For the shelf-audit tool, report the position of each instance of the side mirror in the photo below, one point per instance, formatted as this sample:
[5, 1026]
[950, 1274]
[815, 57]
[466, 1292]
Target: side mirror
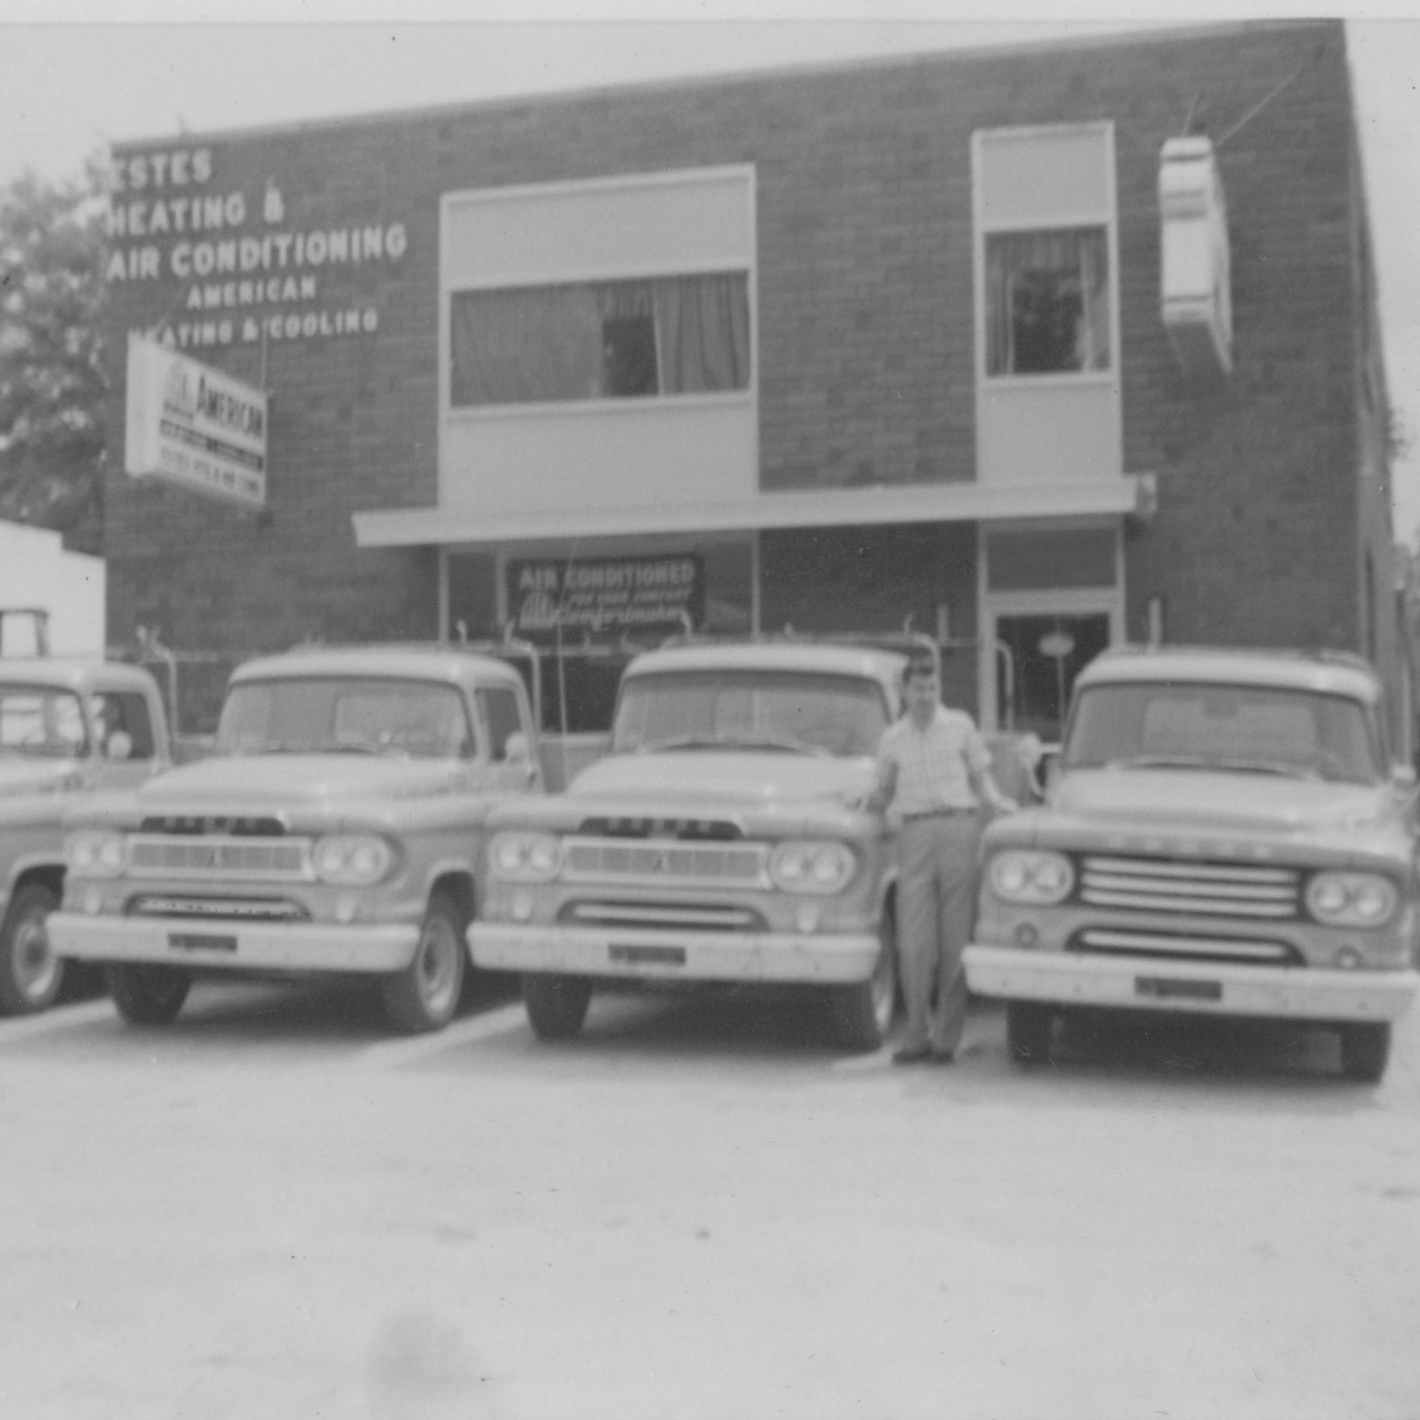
[516, 749]
[119, 745]
[1404, 777]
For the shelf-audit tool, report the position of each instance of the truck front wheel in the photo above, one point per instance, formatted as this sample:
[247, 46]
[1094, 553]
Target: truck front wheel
[425, 995]
[1365, 1049]
[30, 973]
[861, 1013]
[147, 994]
[557, 1004]
[1028, 1029]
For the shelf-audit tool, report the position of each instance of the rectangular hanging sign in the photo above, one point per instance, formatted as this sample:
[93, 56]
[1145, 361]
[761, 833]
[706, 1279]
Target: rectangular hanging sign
[192, 426]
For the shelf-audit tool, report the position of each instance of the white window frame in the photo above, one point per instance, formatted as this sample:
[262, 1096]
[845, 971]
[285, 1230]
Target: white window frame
[1046, 220]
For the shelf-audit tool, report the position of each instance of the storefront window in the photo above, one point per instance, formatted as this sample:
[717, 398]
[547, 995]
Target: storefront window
[1047, 302]
[600, 340]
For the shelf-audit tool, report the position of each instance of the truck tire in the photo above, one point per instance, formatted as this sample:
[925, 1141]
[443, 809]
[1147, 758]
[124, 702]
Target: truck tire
[860, 1014]
[1365, 1049]
[1029, 1025]
[147, 994]
[30, 973]
[556, 1003]
[425, 995]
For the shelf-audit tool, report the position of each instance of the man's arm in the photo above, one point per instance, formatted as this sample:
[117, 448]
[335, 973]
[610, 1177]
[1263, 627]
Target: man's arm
[978, 764]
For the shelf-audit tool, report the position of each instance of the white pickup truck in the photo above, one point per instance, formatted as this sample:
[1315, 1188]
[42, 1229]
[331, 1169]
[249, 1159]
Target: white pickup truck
[69, 727]
[721, 839]
[337, 827]
[1225, 833]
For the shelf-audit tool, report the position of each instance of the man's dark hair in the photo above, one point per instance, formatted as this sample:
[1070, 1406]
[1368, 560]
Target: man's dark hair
[919, 667]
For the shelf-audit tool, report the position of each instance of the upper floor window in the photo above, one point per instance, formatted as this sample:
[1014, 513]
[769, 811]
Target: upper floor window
[600, 340]
[1047, 301]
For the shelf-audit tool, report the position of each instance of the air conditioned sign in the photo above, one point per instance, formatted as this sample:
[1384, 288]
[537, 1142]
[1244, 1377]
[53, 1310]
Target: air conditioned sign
[194, 426]
[605, 598]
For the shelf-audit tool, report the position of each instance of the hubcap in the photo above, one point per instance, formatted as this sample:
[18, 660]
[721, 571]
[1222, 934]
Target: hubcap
[36, 966]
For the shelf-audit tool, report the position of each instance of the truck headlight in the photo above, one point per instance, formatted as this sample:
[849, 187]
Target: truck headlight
[520, 857]
[1031, 876]
[351, 859]
[811, 867]
[1352, 899]
[95, 853]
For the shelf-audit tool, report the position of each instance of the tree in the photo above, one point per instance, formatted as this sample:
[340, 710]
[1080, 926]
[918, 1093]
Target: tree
[53, 242]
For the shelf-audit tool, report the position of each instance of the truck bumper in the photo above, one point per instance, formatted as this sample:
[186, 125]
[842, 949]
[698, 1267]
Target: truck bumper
[233, 946]
[1299, 993]
[675, 955]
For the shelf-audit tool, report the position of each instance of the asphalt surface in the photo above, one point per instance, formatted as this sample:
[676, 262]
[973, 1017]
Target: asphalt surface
[272, 1209]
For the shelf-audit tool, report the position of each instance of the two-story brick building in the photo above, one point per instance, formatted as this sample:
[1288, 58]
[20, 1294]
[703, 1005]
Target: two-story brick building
[1035, 348]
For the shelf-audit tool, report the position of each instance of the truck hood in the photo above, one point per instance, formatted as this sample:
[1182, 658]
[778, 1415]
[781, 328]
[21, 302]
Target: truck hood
[775, 794]
[35, 776]
[1192, 800]
[272, 781]
[723, 779]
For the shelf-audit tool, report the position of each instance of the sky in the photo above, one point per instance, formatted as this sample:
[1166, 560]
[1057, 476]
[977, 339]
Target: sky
[154, 68]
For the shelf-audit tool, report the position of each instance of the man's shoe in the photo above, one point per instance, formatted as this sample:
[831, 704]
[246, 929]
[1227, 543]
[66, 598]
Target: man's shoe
[911, 1055]
[944, 1057]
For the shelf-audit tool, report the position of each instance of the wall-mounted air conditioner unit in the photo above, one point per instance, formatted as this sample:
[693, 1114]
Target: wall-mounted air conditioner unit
[1195, 291]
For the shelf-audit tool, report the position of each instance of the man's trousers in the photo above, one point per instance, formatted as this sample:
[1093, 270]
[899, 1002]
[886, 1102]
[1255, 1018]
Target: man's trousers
[936, 908]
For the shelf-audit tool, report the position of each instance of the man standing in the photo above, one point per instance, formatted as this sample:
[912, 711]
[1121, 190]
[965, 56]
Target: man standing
[933, 772]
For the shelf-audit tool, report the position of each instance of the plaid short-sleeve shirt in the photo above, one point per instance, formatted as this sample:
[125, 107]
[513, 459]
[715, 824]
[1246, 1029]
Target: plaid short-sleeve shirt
[937, 767]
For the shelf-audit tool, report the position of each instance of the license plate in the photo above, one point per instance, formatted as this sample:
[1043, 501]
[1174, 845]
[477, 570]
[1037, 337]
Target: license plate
[647, 956]
[1162, 987]
[201, 942]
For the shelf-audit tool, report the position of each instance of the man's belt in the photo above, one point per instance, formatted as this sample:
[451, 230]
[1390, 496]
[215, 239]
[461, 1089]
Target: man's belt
[937, 813]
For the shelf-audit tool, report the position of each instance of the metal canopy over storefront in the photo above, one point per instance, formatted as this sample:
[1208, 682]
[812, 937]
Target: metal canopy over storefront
[1133, 496]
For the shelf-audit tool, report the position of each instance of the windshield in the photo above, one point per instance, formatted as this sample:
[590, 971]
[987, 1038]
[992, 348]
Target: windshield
[792, 711]
[1299, 733]
[338, 715]
[40, 723]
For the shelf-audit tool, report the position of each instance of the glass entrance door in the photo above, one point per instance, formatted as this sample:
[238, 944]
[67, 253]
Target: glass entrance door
[1038, 656]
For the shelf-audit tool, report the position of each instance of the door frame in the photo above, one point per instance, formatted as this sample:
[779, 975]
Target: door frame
[1042, 601]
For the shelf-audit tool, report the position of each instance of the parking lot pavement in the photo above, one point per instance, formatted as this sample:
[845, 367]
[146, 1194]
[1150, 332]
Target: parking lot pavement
[274, 1208]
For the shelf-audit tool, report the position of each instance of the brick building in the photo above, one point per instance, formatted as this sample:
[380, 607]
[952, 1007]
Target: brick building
[1034, 349]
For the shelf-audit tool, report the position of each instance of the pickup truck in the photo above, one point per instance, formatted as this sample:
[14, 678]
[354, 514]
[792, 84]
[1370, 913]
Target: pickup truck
[68, 727]
[721, 839]
[337, 827]
[1224, 833]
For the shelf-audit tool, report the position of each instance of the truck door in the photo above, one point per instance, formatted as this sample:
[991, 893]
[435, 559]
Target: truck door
[123, 736]
[512, 747]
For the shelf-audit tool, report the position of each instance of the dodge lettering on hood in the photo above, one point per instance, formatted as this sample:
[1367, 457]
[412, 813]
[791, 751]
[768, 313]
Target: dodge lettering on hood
[1225, 833]
[722, 839]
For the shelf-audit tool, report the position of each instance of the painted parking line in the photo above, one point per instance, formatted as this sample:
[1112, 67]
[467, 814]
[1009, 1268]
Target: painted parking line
[17, 1028]
[391, 1054]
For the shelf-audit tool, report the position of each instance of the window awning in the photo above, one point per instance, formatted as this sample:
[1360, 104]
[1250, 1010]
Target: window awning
[1132, 496]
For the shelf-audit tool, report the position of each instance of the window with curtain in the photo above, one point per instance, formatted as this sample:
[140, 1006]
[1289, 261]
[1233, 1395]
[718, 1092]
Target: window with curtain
[600, 340]
[1047, 302]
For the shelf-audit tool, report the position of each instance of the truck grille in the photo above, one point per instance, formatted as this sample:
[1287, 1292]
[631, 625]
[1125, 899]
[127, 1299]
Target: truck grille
[1253, 951]
[213, 858]
[1191, 888]
[669, 916]
[662, 864]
